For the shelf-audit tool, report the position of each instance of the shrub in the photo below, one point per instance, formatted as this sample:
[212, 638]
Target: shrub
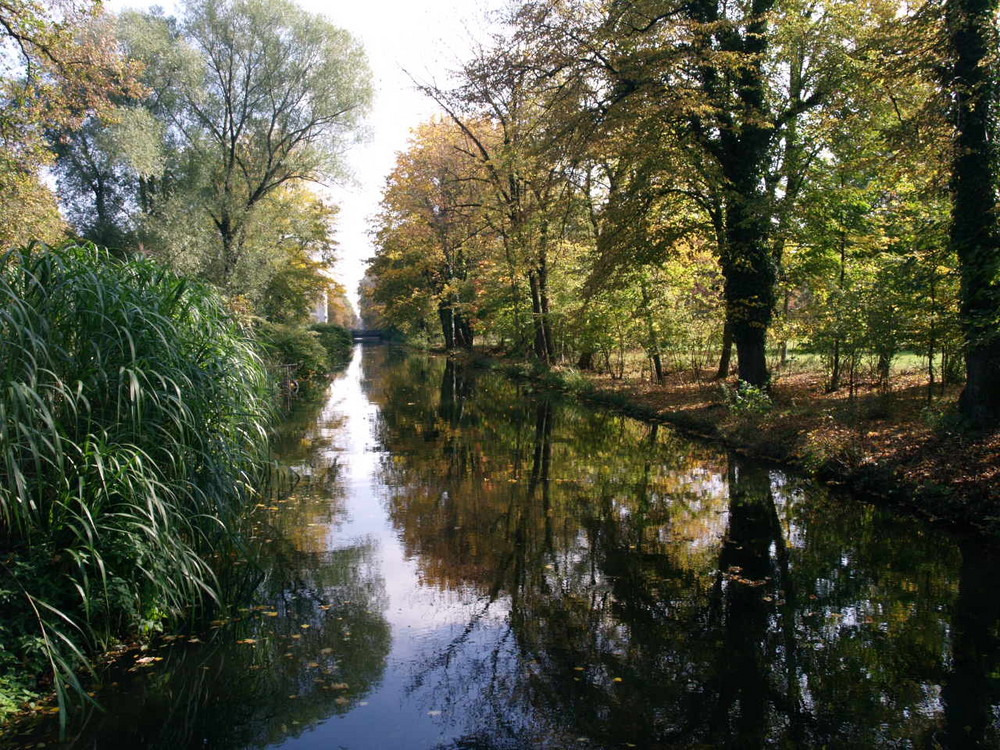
[337, 341]
[746, 399]
[134, 415]
[294, 352]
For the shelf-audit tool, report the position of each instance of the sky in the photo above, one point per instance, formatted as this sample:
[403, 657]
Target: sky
[427, 39]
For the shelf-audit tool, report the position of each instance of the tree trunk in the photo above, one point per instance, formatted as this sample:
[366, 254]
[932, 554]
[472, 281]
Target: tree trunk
[447, 315]
[726, 356]
[974, 233]
[747, 261]
[748, 267]
[229, 235]
[654, 339]
[543, 348]
[464, 333]
[835, 374]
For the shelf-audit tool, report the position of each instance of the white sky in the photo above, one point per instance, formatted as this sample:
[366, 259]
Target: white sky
[427, 38]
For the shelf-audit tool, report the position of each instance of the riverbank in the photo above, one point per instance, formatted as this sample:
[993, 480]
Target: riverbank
[897, 447]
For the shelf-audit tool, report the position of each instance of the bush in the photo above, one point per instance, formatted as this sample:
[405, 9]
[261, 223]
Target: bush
[294, 352]
[134, 416]
[338, 342]
[746, 399]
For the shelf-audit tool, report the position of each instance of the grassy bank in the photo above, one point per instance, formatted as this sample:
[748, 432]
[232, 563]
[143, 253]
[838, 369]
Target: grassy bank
[896, 446]
[134, 417]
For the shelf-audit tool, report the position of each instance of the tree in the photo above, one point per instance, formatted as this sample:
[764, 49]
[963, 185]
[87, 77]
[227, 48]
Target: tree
[975, 227]
[298, 248]
[282, 94]
[514, 103]
[58, 67]
[431, 215]
[719, 101]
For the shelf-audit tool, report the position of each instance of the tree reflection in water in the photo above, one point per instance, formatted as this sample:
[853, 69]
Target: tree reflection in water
[548, 575]
[639, 589]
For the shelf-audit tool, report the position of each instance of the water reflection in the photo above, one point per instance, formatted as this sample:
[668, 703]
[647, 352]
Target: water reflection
[310, 644]
[656, 594]
[464, 563]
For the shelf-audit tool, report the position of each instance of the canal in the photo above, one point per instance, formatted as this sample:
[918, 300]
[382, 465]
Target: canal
[464, 563]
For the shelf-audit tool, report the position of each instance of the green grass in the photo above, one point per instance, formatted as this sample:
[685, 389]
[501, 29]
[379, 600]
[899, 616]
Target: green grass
[132, 436]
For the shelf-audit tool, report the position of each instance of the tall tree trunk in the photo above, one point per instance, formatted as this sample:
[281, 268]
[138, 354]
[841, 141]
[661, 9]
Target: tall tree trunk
[726, 356]
[447, 315]
[539, 346]
[748, 263]
[842, 278]
[231, 242]
[835, 369]
[464, 333]
[653, 338]
[544, 347]
[750, 275]
[975, 237]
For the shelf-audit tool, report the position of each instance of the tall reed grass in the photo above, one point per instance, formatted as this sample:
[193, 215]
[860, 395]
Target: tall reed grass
[132, 436]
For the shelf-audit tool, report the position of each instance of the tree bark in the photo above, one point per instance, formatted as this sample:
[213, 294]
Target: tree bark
[654, 339]
[742, 150]
[447, 316]
[726, 356]
[544, 349]
[974, 233]
[748, 268]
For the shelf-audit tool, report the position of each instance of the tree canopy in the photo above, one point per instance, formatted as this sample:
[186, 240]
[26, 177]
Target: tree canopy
[681, 178]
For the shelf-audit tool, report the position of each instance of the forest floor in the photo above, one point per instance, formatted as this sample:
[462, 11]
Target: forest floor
[897, 446]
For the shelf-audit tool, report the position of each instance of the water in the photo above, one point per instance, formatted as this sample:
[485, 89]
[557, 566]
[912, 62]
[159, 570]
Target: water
[468, 564]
